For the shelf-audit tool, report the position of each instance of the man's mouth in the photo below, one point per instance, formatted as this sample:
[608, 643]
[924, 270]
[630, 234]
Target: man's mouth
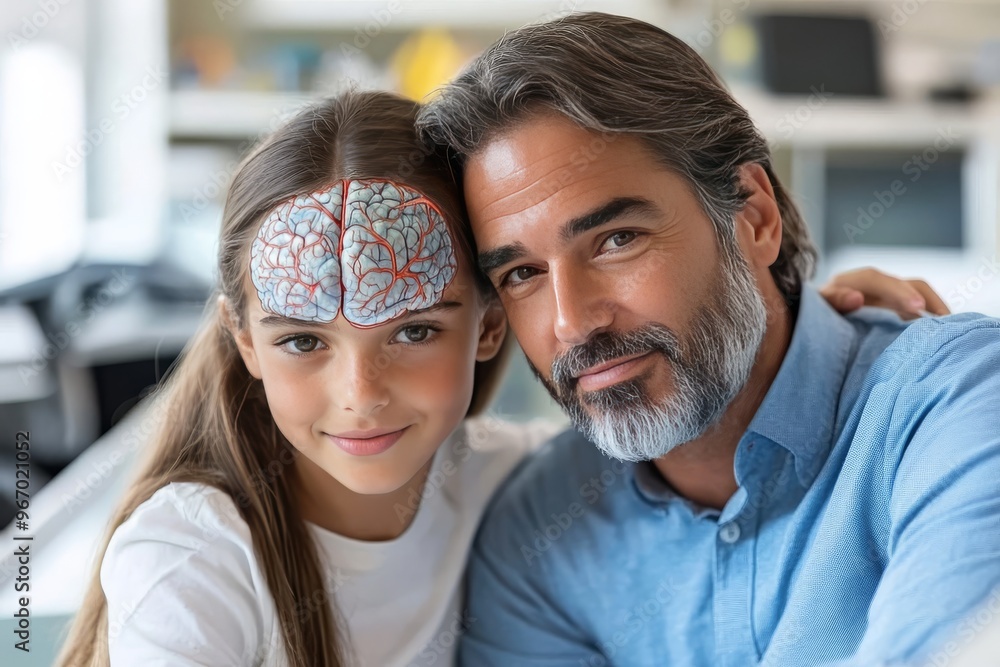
[611, 372]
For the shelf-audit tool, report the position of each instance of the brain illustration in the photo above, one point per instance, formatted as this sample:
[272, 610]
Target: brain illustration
[371, 249]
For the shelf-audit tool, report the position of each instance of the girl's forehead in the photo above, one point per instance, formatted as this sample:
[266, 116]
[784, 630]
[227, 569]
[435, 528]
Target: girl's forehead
[369, 250]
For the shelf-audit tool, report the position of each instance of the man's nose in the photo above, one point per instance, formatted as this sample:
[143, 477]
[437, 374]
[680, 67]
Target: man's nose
[582, 305]
[359, 384]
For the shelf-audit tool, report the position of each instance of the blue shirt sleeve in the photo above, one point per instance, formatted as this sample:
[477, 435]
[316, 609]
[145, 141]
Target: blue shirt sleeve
[516, 623]
[520, 618]
[944, 508]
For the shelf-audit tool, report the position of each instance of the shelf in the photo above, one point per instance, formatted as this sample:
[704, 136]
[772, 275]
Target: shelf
[812, 121]
[378, 15]
[230, 115]
[233, 115]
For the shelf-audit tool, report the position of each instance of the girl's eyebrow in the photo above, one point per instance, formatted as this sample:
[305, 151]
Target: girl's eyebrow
[444, 305]
[280, 321]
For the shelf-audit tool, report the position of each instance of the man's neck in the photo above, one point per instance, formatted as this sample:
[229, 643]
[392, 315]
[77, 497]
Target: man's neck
[702, 470]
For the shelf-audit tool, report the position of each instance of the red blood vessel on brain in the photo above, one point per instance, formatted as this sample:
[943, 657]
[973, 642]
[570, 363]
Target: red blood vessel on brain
[371, 249]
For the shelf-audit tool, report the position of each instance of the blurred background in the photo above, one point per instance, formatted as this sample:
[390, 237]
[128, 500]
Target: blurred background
[122, 121]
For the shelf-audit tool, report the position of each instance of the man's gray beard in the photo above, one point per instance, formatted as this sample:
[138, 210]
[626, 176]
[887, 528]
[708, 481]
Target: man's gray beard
[710, 367]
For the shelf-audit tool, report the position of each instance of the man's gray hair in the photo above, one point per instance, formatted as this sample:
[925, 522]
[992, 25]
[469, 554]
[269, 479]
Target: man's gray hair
[613, 75]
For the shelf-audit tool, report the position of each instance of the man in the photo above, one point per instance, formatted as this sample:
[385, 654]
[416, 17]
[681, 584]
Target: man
[773, 483]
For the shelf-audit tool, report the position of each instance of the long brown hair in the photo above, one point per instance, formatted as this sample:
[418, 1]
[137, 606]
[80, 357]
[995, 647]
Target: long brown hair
[217, 428]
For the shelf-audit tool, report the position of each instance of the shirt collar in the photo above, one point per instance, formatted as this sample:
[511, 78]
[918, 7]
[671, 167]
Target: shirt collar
[799, 412]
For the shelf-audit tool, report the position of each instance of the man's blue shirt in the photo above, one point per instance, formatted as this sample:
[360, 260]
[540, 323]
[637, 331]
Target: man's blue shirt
[865, 529]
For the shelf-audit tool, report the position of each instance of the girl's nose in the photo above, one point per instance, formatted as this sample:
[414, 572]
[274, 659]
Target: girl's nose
[360, 385]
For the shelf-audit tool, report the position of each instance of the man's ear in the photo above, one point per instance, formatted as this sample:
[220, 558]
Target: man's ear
[758, 224]
[492, 331]
[242, 337]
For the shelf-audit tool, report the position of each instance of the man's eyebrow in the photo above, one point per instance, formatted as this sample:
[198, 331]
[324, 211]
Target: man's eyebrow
[604, 214]
[491, 260]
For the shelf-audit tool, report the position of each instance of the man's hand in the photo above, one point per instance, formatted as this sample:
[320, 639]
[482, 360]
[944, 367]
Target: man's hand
[870, 287]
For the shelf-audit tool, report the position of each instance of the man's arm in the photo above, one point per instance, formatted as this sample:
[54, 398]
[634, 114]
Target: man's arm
[944, 510]
[516, 621]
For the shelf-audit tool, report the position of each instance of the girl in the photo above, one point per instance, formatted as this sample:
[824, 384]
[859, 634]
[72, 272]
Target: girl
[324, 459]
[299, 440]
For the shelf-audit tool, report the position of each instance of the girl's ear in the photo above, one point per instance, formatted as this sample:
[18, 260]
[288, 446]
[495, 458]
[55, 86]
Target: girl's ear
[492, 330]
[242, 337]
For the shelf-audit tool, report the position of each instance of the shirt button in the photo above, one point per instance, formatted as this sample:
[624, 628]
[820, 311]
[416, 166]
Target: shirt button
[730, 533]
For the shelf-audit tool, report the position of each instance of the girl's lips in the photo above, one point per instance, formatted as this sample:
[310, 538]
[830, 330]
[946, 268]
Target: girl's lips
[367, 446]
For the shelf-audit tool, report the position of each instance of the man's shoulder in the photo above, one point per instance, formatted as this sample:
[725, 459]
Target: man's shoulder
[927, 408]
[566, 472]
[942, 346]
[890, 350]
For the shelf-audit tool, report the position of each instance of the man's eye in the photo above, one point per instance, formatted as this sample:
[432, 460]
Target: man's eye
[520, 274]
[300, 344]
[619, 239]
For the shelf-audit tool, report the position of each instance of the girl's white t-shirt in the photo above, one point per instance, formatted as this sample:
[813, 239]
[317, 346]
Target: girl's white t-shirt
[184, 587]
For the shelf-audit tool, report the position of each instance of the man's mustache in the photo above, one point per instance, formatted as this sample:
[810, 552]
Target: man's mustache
[610, 345]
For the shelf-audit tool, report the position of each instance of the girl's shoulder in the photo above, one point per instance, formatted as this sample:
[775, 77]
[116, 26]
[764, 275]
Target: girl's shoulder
[483, 452]
[185, 558]
[190, 514]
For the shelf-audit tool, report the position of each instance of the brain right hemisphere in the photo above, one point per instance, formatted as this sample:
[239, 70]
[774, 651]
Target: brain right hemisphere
[372, 249]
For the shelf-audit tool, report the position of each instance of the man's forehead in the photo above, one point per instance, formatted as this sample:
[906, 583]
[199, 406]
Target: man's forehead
[544, 142]
[547, 167]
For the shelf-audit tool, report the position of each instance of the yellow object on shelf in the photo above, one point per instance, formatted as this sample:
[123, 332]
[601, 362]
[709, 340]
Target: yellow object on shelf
[425, 61]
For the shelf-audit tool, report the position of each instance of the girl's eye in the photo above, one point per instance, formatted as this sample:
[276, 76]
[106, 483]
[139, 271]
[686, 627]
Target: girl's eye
[415, 333]
[619, 240]
[300, 344]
